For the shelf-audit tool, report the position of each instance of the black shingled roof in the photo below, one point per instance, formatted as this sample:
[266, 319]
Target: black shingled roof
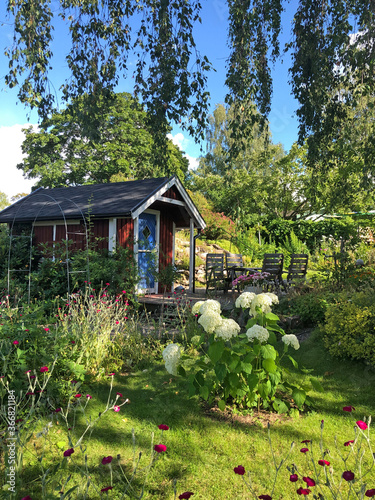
[100, 200]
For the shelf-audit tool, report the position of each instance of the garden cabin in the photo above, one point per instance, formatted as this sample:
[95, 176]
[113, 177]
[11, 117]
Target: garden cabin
[142, 215]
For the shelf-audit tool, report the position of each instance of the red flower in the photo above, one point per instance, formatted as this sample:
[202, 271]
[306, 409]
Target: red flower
[265, 497]
[44, 369]
[57, 410]
[309, 481]
[186, 494]
[323, 462]
[293, 478]
[348, 408]
[348, 443]
[46, 329]
[107, 460]
[67, 453]
[240, 469]
[362, 425]
[106, 488]
[303, 491]
[159, 448]
[370, 493]
[163, 427]
[73, 341]
[119, 394]
[77, 395]
[116, 408]
[304, 450]
[348, 475]
[27, 498]
[15, 342]
[306, 441]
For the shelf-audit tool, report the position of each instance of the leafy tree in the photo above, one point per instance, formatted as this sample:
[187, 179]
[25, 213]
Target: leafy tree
[4, 202]
[60, 154]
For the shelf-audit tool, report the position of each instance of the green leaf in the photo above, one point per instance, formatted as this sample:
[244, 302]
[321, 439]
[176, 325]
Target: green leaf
[216, 350]
[316, 385]
[299, 396]
[264, 389]
[221, 371]
[294, 362]
[233, 380]
[181, 371]
[61, 445]
[269, 365]
[204, 392]
[246, 367]
[252, 381]
[268, 351]
[221, 404]
[271, 317]
[280, 406]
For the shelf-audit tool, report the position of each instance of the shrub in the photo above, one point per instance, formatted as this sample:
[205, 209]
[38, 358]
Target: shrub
[350, 326]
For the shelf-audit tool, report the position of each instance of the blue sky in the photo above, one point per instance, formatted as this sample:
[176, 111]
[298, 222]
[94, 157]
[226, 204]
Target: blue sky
[210, 37]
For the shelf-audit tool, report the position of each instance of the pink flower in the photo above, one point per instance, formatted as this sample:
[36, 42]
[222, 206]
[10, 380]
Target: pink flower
[44, 369]
[348, 408]
[265, 497]
[28, 371]
[159, 448]
[110, 374]
[309, 481]
[348, 475]
[362, 425]
[240, 469]
[163, 427]
[106, 488]
[348, 443]
[27, 498]
[15, 342]
[57, 410]
[116, 408]
[370, 493]
[32, 376]
[107, 460]
[303, 491]
[67, 453]
[88, 396]
[117, 322]
[306, 441]
[304, 450]
[323, 462]
[73, 341]
[119, 394]
[293, 478]
[46, 329]
[77, 395]
[186, 494]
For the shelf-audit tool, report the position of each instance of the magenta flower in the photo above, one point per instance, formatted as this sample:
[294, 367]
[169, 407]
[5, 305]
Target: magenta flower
[44, 369]
[348, 443]
[309, 481]
[88, 396]
[46, 329]
[370, 493]
[159, 448]
[186, 494]
[348, 408]
[348, 475]
[306, 441]
[304, 450]
[15, 342]
[240, 469]
[116, 408]
[77, 395]
[119, 394]
[27, 498]
[293, 478]
[107, 460]
[67, 453]
[362, 425]
[73, 341]
[323, 462]
[106, 489]
[163, 427]
[265, 497]
[57, 410]
[303, 491]
[110, 374]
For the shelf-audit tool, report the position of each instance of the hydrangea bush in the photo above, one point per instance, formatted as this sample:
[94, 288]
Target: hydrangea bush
[240, 367]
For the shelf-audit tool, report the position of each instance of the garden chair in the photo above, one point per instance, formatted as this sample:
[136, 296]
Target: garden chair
[215, 274]
[297, 269]
[233, 266]
[273, 264]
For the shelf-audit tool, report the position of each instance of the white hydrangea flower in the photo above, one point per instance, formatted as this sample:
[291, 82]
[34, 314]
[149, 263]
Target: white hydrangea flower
[210, 305]
[210, 320]
[244, 300]
[274, 297]
[171, 356]
[263, 301]
[228, 329]
[291, 340]
[196, 307]
[257, 332]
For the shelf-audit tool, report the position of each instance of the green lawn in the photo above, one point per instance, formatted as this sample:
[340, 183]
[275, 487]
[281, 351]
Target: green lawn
[203, 447]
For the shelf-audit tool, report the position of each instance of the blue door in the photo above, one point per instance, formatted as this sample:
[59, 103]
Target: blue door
[147, 251]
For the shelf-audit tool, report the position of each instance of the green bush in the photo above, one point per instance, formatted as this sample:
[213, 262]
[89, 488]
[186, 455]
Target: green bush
[349, 329]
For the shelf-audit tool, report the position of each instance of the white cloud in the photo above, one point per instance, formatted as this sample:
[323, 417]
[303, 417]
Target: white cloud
[182, 143]
[12, 180]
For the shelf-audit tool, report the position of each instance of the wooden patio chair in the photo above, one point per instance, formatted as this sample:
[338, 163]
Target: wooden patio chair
[215, 274]
[297, 269]
[232, 261]
[273, 264]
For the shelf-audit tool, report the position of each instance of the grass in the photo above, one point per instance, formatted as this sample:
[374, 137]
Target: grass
[203, 447]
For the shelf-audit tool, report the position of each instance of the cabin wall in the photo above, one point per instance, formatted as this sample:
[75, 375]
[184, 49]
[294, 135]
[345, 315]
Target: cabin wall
[166, 243]
[125, 233]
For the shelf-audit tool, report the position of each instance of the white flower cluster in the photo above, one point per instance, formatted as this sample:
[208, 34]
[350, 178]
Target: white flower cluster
[171, 356]
[262, 300]
[291, 340]
[228, 329]
[244, 300]
[210, 306]
[273, 297]
[196, 307]
[210, 320]
[257, 332]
